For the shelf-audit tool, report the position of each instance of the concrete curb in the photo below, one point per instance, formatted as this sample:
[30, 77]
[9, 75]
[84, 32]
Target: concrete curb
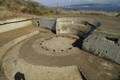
[4, 23]
[10, 44]
[7, 25]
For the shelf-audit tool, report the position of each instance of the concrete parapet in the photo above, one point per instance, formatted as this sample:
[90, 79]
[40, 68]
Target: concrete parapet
[77, 26]
[103, 45]
[66, 24]
[14, 24]
[70, 25]
[45, 22]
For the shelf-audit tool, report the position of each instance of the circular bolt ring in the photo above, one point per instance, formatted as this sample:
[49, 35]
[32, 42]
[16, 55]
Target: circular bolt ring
[47, 49]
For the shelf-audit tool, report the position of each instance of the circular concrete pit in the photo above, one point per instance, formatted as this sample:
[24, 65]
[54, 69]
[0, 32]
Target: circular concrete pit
[48, 56]
[56, 45]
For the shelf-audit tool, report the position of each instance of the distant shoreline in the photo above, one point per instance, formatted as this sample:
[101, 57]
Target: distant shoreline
[85, 12]
[95, 7]
[108, 11]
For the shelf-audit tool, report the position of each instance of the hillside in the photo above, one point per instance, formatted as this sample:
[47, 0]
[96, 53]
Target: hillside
[16, 7]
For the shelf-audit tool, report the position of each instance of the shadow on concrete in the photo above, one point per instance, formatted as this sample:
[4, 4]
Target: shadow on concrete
[15, 21]
[78, 43]
[83, 77]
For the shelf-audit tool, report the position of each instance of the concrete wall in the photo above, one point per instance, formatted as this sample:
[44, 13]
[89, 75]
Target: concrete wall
[45, 22]
[103, 45]
[78, 26]
[12, 24]
[69, 25]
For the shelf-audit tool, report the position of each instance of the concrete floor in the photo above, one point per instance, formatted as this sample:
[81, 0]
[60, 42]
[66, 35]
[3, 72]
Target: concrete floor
[36, 60]
[10, 35]
[24, 58]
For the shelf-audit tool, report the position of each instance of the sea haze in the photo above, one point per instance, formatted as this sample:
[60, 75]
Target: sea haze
[95, 7]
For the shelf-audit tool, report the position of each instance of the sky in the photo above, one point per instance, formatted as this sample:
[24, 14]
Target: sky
[68, 2]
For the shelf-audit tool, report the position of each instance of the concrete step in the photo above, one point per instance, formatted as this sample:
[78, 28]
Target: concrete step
[2, 76]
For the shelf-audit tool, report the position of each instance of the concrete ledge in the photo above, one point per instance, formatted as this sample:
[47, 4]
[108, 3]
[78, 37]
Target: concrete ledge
[10, 44]
[103, 45]
[14, 24]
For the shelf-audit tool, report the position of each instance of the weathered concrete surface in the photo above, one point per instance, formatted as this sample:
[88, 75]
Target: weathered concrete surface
[76, 26]
[12, 26]
[11, 35]
[24, 57]
[103, 45]
[37, 72]
[7, 46]
[2, 75]
[10, 44]
[109, 25]
[91, 66]
[45, 22]
[104, 23]
[69, 25]
[12, 63]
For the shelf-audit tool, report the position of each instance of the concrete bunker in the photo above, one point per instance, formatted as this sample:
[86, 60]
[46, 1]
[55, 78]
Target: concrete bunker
[70, 33]
[85, 30]
[67, 25]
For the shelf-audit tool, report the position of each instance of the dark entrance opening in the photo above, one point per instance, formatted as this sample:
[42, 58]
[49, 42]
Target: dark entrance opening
[19, 76]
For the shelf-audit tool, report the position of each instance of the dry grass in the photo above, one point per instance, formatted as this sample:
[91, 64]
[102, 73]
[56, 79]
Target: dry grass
[96, 13]
[5, 13]
[13, 8]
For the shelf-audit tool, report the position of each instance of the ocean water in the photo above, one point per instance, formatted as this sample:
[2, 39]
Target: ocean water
[95, 8]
